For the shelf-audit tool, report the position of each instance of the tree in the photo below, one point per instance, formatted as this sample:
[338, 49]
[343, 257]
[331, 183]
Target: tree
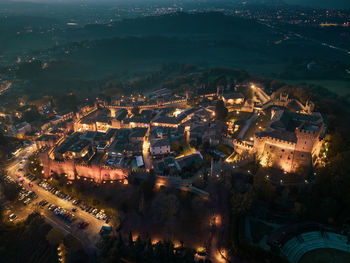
[31, 115]
[220, 110]
[10, 191]
[241, 202]
[142, 203]
[135, 110]
[147, 186]
[75, 250]
[54, 237]
[165, 206]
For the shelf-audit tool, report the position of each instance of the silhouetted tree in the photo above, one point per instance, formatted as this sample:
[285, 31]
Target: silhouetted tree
[220, 110]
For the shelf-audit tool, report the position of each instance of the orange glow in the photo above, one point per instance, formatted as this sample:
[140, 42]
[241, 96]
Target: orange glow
[218, 220]
[220, 256]
[177, 244]
[201, 249]
[125, 181]
[160, 183]
[155, 241]
[135, 236]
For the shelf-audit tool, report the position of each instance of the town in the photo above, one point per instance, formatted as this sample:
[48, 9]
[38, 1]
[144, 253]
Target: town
[174, 131]
[107, 142]
[177, 138]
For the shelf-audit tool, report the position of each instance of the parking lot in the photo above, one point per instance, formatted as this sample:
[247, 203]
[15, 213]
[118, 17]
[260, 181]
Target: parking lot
[59, 209]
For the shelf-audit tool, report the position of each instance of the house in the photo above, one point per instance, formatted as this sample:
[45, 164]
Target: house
[233, 98]
[98, 120]
[166, 121]
[162, 132]
[166, 166]
[189, 160]
[138, 134]
[160, 146]
[137, 163]
[118, 117]
[127, 150]
[143, 120]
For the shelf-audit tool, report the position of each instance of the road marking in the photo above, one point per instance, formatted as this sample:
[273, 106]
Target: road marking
[54, 222]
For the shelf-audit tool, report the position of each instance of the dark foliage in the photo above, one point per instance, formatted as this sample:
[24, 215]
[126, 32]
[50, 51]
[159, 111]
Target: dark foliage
[116, 249]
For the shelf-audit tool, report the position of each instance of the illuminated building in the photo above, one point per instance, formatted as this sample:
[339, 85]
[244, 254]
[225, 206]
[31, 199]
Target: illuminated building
[291, 140]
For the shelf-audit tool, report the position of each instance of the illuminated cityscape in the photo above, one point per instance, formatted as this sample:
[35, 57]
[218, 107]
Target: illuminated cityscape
[174, 131]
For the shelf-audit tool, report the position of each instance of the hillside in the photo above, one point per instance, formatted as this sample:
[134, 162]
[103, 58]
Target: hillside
[140, 46]
[208, 39]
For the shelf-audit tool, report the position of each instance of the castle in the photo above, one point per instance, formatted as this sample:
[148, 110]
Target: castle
[291, 140]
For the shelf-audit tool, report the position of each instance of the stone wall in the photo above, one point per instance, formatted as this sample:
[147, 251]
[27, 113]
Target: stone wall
[97, 173]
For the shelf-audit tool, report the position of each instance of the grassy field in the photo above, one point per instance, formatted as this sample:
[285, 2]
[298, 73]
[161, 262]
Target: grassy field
[340, 87]
[238, 116]
[259, 124]
[325, 256]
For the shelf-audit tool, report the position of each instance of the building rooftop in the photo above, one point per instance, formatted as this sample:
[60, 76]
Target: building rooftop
[166, 120]
[138, 132]
[189, 160]
[79, 145]
[160, 142]
[121, 114]
[100, 115]
[233, 95]
[144, 117]
[281, 135]
[67, 143]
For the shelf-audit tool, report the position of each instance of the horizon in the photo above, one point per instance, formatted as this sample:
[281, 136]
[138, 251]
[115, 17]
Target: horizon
[333, 4]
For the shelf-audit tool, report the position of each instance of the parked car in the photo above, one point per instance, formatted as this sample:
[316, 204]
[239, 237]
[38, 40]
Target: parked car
[52, 207]
[83, 225]
[12, 217]
[105, 230]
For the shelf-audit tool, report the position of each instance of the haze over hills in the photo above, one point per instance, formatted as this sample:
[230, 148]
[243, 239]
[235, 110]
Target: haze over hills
[210, 38]
[84, 52]
[146, 42]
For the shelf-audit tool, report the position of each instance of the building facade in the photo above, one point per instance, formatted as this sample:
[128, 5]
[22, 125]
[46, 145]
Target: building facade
[291, 141]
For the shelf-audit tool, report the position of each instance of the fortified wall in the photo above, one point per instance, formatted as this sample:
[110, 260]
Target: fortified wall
[275, 152]
[283, 101]
[288, 155]
[242, 147]
[73, 170]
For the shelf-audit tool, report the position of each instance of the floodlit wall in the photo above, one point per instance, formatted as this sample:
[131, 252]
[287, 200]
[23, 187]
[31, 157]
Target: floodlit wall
[96, 173]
